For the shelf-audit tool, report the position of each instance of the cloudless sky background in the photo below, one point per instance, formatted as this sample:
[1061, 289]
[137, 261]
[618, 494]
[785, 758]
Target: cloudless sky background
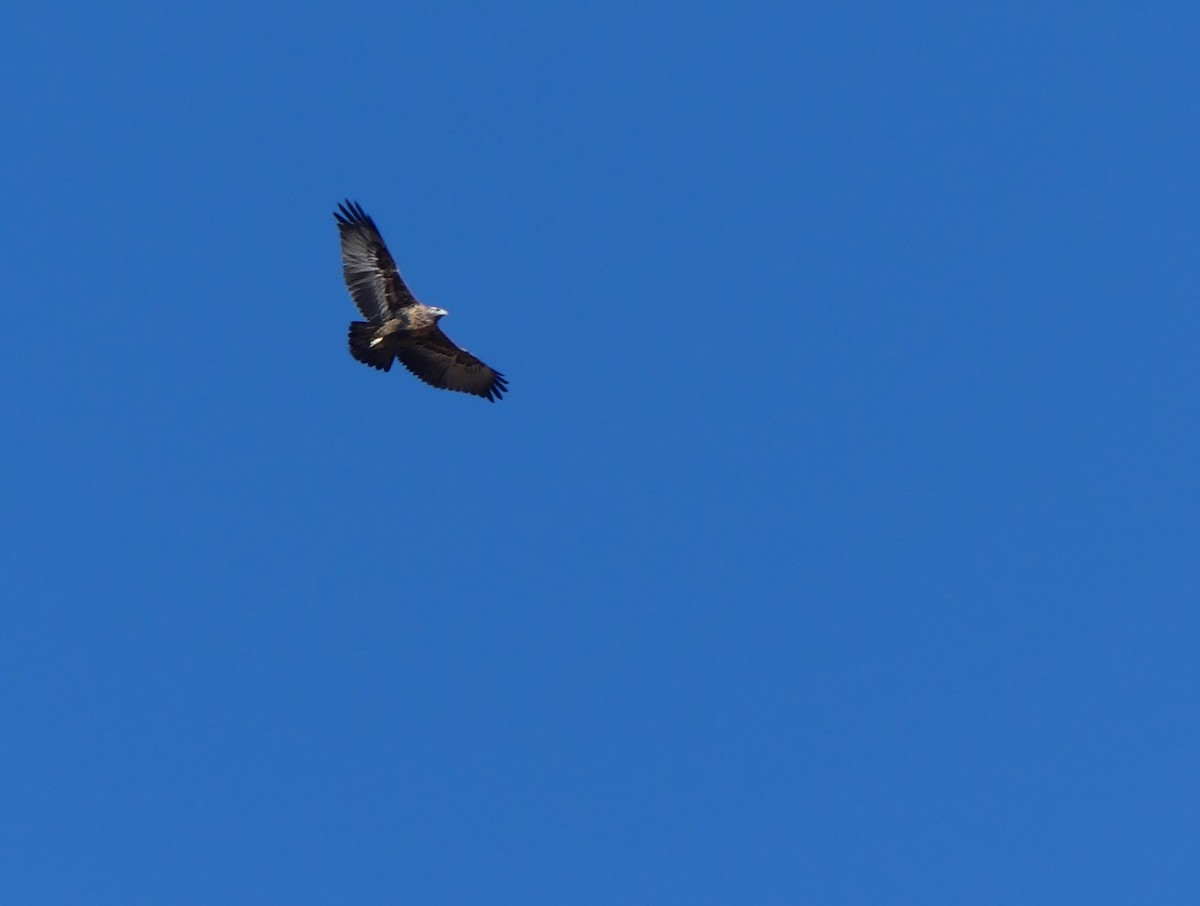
[836, 543]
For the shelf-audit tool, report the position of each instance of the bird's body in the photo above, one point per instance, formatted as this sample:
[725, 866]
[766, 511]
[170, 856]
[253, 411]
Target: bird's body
[397, 325]
[417, 320]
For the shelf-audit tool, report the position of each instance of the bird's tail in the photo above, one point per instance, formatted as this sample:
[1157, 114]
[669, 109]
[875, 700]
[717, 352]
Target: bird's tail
[380, 356]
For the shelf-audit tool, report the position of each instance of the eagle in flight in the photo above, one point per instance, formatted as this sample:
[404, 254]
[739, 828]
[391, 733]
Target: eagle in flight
[397, 325]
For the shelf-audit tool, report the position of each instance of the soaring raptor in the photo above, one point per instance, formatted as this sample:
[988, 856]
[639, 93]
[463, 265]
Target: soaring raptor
[397, 325]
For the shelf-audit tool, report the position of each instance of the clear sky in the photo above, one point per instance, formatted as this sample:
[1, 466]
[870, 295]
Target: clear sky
[837, 540]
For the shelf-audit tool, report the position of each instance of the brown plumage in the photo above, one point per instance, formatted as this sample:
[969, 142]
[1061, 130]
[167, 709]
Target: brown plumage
[397, 325]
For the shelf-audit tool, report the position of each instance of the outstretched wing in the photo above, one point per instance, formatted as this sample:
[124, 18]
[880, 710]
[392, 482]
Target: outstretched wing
[367, 265]
[436, 360]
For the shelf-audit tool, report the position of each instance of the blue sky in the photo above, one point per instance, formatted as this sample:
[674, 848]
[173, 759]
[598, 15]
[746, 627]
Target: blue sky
[836, 542]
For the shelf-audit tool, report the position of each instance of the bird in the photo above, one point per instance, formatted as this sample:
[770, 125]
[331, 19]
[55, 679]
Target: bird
[397, 325]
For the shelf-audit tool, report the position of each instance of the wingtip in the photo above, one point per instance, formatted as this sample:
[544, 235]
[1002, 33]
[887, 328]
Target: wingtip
[498, 388]
[350, 213]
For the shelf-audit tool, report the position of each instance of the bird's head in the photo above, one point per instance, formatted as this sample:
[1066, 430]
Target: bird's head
[438, 312]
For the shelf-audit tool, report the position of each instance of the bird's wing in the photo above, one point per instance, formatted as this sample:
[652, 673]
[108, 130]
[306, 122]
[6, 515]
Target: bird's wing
[367, 265]
[436, 360]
